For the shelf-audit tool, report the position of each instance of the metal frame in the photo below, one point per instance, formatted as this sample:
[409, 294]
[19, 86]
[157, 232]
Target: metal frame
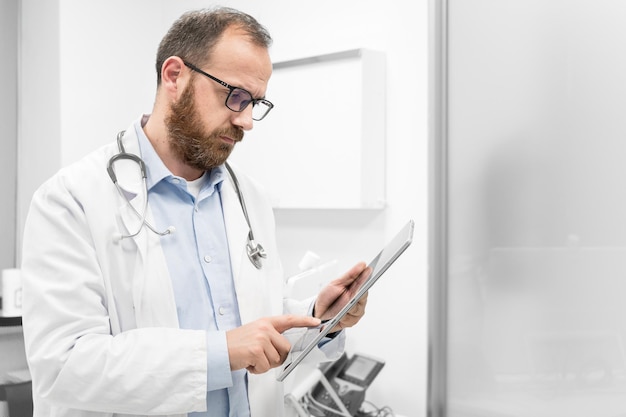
[438, 209]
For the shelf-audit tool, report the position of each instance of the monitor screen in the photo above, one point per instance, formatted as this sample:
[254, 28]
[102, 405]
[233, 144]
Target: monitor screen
[359, 368]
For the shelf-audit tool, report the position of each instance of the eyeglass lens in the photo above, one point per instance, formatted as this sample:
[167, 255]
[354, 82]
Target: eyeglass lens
[239, 99]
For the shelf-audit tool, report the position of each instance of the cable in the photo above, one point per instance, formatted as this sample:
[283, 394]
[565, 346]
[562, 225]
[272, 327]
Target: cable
[385, 411]
[321, 406]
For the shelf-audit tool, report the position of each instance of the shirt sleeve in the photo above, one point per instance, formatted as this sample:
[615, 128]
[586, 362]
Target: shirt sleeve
[329, 336]
[218, 364]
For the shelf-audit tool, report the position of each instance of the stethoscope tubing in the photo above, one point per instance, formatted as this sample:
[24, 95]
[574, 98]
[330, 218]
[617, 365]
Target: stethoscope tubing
[254, 250]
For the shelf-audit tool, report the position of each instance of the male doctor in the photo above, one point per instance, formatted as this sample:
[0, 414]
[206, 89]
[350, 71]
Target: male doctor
[139, 294]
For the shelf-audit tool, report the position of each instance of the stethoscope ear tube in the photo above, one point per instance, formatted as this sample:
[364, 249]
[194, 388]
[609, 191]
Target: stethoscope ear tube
[128, 156]
[122, 154]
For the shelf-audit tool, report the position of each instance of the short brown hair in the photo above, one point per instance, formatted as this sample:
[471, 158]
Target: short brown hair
[193, 35]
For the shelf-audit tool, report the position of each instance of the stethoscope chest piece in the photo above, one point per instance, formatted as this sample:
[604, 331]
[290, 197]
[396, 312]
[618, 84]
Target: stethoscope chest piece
[255, 253]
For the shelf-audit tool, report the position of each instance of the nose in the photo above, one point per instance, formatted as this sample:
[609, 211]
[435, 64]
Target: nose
[243, 119]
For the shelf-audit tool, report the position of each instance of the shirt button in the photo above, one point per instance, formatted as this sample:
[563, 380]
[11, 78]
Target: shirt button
[221, 310]
[207, 259]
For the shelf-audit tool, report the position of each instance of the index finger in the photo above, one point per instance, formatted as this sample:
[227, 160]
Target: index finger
[289, 321]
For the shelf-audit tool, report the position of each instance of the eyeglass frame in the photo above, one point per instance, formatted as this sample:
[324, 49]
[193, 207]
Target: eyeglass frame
[232, 88]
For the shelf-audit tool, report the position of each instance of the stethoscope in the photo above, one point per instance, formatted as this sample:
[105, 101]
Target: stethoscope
[254, 249]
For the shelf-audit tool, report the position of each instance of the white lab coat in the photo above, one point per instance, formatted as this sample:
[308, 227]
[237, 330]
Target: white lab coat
[99, 315]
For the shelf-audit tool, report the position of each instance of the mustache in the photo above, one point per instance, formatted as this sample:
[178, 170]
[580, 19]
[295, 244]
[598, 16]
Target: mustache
[234, 133]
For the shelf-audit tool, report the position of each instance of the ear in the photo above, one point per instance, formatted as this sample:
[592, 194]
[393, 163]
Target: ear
[173, 76]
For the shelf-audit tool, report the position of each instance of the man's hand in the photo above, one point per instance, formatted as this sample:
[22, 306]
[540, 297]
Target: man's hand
[259, 346]
[334, 296]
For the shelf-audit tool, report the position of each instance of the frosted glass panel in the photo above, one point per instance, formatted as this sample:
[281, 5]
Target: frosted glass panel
[537, 208]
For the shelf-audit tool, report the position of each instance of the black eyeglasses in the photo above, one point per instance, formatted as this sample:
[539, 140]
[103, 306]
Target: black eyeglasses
[238, 98]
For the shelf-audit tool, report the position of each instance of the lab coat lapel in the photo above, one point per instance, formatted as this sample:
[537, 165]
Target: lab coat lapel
[237, 232]
[236, 226]
[131, 221]
[153, 296]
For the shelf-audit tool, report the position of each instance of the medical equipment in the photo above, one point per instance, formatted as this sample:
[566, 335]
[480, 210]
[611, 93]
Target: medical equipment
[349, 378]
[335, 389]
[255, 250]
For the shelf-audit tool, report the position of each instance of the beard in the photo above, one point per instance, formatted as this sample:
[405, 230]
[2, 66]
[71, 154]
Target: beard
[190, 142]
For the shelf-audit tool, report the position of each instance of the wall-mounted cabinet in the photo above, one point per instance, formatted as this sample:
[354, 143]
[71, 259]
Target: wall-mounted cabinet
[10, 321]
[325, 135]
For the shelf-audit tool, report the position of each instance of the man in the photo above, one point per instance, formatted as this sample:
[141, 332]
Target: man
[139, 294]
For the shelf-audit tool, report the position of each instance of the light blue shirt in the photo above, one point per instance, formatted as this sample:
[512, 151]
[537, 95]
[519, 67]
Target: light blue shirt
[199, 264]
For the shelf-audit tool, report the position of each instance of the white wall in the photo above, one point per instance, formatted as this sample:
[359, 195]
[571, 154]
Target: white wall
[8, 138]
[104, 57]
[12, 355]
[39, 133]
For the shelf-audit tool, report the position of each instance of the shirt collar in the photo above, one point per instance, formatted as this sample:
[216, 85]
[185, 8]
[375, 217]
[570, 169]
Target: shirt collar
[156, 171]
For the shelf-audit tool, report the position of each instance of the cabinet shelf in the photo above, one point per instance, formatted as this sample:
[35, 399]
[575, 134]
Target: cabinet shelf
[10, 321]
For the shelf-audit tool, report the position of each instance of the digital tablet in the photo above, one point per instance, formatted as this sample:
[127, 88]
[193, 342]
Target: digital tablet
[311, 338]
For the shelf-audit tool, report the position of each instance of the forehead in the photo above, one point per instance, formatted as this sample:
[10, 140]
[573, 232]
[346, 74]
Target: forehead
[241, 62]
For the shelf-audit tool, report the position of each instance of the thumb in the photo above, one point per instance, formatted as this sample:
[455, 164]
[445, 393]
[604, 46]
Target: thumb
[357, 271]
[289, 321]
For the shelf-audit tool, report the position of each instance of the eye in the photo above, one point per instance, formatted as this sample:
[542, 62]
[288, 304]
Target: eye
[239, 99]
